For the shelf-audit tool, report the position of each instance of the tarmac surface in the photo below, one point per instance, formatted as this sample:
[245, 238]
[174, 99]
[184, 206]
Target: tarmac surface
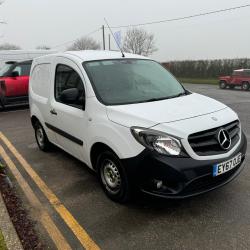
[216, 220]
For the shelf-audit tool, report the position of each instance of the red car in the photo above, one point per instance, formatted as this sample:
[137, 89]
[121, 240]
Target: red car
[240, 77]
[14, 81]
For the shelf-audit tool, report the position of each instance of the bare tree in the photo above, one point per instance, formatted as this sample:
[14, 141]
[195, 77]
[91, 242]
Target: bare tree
[138, 41]
[84, 44]
[43, 47]
[9, 46]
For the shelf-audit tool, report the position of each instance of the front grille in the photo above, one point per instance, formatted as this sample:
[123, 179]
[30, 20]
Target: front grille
[205, 143]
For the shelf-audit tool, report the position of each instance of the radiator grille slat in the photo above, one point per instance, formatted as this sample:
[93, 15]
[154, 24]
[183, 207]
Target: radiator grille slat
[205, 143]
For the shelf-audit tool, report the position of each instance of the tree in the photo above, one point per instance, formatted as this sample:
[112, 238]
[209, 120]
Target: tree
[43, 47]
[206, 68]
[84, 44]
[138, 41]
[9, 46]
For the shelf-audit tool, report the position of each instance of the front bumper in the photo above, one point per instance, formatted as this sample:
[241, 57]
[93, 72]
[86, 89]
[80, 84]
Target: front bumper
[179, 177]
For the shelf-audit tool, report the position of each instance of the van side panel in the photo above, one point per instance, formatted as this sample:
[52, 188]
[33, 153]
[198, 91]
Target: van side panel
[101, 130]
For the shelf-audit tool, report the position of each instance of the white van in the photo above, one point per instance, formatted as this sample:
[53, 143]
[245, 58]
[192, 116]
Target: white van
[133, 123]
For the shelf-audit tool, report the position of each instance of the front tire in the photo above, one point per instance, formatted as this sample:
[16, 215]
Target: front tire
[245, 86]
[113, 177]
[41, 137]
[223, 84]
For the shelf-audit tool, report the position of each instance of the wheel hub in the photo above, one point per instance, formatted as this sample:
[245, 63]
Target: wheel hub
[40, 136]
[111, 176]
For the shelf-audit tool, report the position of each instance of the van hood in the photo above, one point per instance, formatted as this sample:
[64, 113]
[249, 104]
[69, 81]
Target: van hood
[170, 110]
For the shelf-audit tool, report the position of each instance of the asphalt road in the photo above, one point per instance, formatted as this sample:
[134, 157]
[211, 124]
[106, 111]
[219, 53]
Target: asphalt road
[216, 220]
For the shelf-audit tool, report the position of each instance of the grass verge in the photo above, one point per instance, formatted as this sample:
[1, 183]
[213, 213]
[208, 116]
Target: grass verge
[24, 225]
[2, 243]
[199, 80]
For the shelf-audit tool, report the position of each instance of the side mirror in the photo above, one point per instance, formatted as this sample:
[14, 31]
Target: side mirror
[70, 96]
[14, 74]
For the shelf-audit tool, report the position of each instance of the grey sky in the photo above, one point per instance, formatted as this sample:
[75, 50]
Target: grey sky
[53, 22]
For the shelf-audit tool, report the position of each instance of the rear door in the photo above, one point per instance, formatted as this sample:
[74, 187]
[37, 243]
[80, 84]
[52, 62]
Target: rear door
[22, 81]
[17, 86]
[237, 78]
[69, 122]
[246, 75]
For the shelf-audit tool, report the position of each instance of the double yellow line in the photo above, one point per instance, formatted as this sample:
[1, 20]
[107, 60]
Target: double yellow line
[44, 216]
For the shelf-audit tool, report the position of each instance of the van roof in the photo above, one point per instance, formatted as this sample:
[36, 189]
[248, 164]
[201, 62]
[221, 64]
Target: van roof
[92, 55]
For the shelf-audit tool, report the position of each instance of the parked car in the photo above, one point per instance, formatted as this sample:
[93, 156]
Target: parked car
[240, 77]
[132, 122]
[14, 81]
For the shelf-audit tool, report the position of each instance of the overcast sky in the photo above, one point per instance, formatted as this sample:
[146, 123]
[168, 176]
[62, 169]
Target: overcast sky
[52, 22]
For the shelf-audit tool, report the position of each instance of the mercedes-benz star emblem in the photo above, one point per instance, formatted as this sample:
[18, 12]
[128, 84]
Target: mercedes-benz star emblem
[224, 139]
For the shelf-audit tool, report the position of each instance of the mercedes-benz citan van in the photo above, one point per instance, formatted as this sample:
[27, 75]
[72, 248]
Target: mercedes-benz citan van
[133, 123]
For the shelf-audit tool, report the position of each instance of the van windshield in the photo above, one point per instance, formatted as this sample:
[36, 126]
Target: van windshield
[127, 81]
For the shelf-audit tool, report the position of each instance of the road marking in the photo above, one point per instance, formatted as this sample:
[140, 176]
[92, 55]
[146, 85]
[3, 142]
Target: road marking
[76, 228]
[44, 217]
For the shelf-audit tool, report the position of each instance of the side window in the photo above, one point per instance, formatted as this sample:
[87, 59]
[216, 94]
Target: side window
[237, 73]
[18, 69]
[67, 78]
[247, 73]
[26, 69]
[23, 69]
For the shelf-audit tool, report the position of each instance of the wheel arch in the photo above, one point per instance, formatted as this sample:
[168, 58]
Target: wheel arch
[34, 119]
[36, 115]
[223, 80]
[96, 149]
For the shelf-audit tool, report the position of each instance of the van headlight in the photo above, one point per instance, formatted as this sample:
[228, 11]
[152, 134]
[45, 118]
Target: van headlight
[158, 141]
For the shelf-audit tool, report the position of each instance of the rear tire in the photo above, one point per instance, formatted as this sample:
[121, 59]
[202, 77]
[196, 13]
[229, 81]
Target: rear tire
[41, 137]
[223, 84]
[113, 177]
[245, 86]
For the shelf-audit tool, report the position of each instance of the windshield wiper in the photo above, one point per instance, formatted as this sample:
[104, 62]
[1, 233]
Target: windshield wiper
[178, 95]
[167, 97]
[155, 99]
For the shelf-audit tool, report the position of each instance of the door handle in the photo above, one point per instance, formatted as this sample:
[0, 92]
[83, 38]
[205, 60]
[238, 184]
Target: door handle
[53, 112]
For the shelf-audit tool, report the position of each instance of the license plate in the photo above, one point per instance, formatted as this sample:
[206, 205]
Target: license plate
[226, 166]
